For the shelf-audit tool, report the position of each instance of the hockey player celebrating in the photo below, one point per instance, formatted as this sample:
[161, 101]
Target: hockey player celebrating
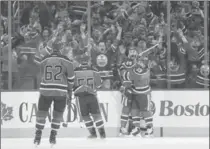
[87, 81]
[141, 96]
[139, 90]
[57, 80]
[125, 70]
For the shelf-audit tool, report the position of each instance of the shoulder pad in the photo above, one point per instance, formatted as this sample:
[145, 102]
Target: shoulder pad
[128, 63]
[45, 57]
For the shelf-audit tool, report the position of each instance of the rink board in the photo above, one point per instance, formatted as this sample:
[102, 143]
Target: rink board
[179, 113]
[111, 143]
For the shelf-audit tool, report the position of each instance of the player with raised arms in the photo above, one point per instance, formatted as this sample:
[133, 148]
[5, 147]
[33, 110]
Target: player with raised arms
[141, 96]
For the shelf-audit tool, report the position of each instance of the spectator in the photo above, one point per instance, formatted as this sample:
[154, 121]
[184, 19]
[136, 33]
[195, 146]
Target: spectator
[116, 28]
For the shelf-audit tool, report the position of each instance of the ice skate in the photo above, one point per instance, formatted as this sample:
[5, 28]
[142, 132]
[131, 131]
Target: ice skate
[37, 138]
[123, 132]
[53, 137]
[102, 133]
[149, 133]
[93, 134]
[135, 132]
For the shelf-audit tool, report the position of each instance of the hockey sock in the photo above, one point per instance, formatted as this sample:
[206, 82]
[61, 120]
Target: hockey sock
[41, 119]
[89, 125]
[130, 124]
[124, 120]
[149, 125]
[88, 122]
[101, 131]
[136, 126]
[100, 126]
[143, 129]
[136, 121]
[57, 118]
[99, 123]
[98, 120]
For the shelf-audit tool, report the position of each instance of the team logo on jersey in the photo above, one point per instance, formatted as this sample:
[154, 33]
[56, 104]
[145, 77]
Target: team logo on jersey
[138, 70]
[101, 60]
[6, 113]
[204, 70]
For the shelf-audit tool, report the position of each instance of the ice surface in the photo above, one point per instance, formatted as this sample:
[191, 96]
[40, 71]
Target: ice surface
[110, 143]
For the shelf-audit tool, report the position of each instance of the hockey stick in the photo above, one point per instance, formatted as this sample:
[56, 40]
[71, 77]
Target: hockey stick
[149, 49]
[68, 108]
[79, 112]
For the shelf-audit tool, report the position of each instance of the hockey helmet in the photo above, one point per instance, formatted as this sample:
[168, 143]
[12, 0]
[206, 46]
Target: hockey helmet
[57, 45]
[83, 59]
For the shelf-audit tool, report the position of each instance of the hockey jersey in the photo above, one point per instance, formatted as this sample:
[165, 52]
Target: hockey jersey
[104, 62]
[203, 75]
[194, 54]
[43, 50]
[140, 77]
[136, 77]
[158, 72]
[125, 70]
[158, 67]
[31, 37]
[177, 71]
[87, 80]
[57, 75]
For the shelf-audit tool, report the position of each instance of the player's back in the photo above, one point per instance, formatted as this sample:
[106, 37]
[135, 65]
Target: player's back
[87, 80]
[57, 72]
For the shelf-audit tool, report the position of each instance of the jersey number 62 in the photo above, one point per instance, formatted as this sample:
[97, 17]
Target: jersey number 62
[53, 73]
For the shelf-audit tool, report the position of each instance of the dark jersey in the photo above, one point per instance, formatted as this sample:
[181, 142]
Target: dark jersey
[41, 52]
[158, 71]
[104, 62]
[178, 71]
[87, 80]
[57, 75]
[125, 70]
[140, 77]
[203, 75]
[135, 77]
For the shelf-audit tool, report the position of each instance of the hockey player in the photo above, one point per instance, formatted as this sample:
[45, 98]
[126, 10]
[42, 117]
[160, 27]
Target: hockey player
[56, 85]
[141, 96]
[124, 71]
[87, 81]
[140, 89]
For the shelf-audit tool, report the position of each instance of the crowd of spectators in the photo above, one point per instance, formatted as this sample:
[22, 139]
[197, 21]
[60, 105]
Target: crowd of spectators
[116, 28]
